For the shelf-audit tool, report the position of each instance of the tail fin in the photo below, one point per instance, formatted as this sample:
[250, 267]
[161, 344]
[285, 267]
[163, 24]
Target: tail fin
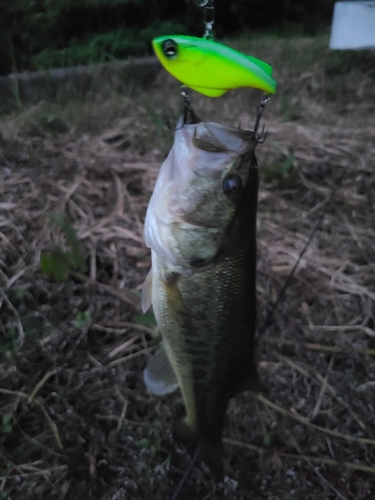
[252, 383]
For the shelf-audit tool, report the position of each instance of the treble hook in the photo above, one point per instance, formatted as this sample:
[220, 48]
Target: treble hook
[189, 116]
[260, 138]
[187, 104]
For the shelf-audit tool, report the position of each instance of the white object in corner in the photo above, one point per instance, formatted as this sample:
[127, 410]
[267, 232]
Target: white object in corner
[353, 25]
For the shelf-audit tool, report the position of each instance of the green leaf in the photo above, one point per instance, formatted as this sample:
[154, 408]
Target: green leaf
[9, 340]
[6, 426]
[287, 165]
[82, 318]
[21, 293]
[147, 319]
[266, 439]
[145, 443]
[55, 265]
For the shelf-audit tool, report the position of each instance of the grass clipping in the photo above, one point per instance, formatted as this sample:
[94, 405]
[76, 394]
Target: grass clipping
[75, 418]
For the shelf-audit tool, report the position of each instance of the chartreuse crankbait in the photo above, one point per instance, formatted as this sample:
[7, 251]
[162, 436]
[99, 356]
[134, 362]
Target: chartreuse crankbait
[211, 68]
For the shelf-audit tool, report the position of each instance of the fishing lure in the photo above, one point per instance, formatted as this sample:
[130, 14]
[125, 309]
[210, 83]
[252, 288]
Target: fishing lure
[211, 68]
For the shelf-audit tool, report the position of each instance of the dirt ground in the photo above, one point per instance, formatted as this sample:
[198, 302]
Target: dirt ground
[76, 421]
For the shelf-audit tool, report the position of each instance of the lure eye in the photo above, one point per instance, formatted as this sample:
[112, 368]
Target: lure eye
[169, 48]
[232, 186]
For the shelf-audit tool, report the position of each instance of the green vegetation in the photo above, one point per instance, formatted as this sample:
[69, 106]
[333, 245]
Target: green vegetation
[9, 340]
[45, 34]
[279, 167]
[6, 425]
[56, 263]
[83, 318]
[147, 319]
[117, 44]
[290, 109]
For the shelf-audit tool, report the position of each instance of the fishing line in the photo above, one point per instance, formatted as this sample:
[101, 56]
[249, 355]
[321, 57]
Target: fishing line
[188, 115]
[187, 473]
[271, 310]
[209, 18]
[260, 138]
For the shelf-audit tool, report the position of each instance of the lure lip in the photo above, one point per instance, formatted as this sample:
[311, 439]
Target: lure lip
[198, 64]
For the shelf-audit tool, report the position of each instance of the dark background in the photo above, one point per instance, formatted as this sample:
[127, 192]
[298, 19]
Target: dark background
[38, 34]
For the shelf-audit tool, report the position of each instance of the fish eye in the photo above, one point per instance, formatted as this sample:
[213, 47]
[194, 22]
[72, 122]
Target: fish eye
[169, 48]
[232, 185]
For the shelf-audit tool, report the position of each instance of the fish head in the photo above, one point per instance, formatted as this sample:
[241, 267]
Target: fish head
[196, 199]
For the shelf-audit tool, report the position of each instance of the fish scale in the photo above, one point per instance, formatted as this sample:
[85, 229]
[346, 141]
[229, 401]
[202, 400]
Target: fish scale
[217, 327]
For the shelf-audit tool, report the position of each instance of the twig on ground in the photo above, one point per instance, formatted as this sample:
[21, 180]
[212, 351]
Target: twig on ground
[143, 352]
[40, 384]
[324, 348]
[322, 391]
[319, 460]
[303, 420]
[21, 333]
[316, 471]
[51, 423]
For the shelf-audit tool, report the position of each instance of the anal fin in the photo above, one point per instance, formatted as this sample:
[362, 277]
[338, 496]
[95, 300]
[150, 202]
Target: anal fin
[159, 376]
[147, 292]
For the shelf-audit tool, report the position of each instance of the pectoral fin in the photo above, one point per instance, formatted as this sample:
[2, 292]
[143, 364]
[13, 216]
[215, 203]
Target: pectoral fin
[147, 292]
[159, 376]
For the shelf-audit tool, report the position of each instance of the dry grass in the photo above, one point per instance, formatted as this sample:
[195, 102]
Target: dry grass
[76, 420]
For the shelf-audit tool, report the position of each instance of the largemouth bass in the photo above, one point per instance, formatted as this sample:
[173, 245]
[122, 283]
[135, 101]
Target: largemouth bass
[201, 227]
